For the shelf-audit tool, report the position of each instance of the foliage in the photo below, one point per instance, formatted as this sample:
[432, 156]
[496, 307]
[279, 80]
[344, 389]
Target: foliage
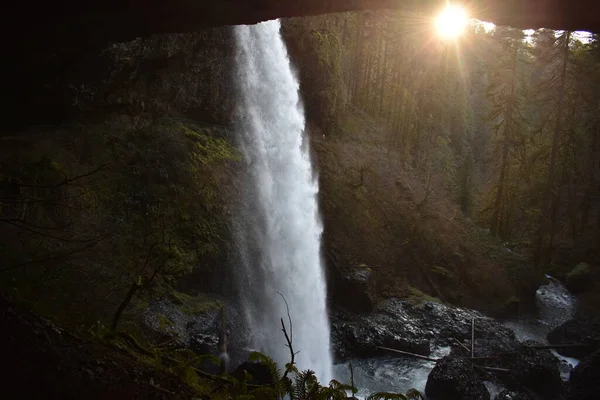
[507, 124]
[103, 207]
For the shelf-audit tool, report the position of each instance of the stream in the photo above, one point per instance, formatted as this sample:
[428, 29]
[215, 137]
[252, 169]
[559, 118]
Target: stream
[554, 304]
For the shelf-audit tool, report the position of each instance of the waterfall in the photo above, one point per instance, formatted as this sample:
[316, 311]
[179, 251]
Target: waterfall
[279, 230]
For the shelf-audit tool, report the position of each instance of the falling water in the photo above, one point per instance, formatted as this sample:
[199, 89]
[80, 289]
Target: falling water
[280, 230]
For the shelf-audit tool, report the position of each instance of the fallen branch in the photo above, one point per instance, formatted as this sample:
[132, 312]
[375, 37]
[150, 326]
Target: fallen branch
[406, 353]
[487, 358]
[461, 345]
[473, 337]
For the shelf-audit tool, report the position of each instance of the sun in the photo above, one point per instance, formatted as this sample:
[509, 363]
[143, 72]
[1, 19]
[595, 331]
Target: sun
[451, 22]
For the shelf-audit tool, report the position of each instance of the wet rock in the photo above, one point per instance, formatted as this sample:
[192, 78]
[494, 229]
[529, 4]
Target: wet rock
[198, 331]
[574, 331]
[584, 382]
[455, 379]
[565, 369]
[512, 395]
[579, 278]
[536, 370]
[363, 338]
[415, 328]
[353, 288]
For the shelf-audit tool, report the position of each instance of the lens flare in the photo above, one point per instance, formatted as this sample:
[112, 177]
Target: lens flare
[451, 22]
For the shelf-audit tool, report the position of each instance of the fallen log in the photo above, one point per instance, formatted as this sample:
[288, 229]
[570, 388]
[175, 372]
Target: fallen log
[406, 353]
[494, 369]
[560, 346]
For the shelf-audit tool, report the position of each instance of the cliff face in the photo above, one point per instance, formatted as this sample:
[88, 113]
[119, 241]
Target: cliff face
[149, 106]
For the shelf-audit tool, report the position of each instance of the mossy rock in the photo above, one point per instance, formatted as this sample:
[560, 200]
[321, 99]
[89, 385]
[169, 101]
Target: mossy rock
[580, 278]
[417, 297]
[165, 322]
[442, 272]
[511, 306]
[193, 305]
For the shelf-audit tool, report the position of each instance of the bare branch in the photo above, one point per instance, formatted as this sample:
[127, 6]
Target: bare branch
[48, 235]
[53, 258]
[33, 200]
[428, 192]
[60, 256]
[65, 181]
[288, 339]
[13, 221]
[287, 308]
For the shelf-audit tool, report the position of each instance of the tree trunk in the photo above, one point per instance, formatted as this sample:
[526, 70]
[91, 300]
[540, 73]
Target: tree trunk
[497, 217]
[546, 217]
[383, 78]
[130, 293]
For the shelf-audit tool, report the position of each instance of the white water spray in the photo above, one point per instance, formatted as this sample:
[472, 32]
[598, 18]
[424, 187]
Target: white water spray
[280, 230]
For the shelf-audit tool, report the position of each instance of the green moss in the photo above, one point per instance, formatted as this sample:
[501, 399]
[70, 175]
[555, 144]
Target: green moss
[416, 296]
[365, 267]
[164, 322]
[193, 305]
[580, 270]
[511, 305]
[580, 278]
[208, 149]
[442, 272]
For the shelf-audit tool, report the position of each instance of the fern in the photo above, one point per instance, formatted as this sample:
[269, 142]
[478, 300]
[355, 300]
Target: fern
[414, 394]
[306, 386]
[387, 396]
[264, 393]
[282, 386]
[246, 397]
[336, 385]
[269, 362]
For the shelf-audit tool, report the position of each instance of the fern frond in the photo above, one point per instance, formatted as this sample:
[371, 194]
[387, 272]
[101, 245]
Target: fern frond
[414, 394]
[387, 396]
[264, 393]
[246, 397]
[269, 362]
[327, 393]
[289, 367]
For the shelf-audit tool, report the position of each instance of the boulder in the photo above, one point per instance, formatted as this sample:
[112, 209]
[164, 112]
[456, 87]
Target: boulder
[401, 325]
[167, 321]
[260, 374]
[579, 278]
[584, 382]
[362, 338]
[454, 379]
[575, 331]
[535, 370]
[353, 289]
